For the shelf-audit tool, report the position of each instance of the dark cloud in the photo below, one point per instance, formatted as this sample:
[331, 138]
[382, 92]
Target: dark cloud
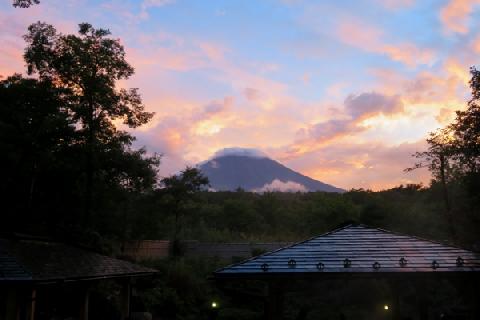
[356, 109]
[371, 103]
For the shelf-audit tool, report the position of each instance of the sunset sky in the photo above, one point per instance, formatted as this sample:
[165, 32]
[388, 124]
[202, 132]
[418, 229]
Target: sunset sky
[341, 91]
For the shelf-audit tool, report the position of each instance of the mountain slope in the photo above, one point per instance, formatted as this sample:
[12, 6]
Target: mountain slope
[230, 172]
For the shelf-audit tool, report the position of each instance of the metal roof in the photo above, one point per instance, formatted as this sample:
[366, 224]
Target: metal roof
[357, 249]
[45, 261]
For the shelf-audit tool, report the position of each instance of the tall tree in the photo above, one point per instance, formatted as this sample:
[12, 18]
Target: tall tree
[180, 190]
[36, 132]
[438, 160]
[466, 130]
[88, 65]
[454, 151]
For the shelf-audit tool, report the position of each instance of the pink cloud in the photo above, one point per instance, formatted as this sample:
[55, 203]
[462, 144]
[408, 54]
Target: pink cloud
[455, 15]
[357, 108]
[367, 37]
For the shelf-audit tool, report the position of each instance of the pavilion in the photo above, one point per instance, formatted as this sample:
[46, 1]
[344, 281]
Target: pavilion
[43, 279]
[354, 252]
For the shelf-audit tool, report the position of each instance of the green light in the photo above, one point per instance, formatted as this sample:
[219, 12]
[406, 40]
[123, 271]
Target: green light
[214, 305]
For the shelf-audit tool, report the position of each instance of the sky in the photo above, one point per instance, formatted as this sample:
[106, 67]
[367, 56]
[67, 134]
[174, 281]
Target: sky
[344, 91]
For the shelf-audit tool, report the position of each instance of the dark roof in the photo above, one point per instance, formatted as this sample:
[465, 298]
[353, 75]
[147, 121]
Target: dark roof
[44, 261]
[10, 268]
[368, 250]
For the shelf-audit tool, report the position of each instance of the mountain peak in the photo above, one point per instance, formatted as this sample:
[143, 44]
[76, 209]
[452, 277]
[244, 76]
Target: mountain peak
[235, 151]
[252, 170]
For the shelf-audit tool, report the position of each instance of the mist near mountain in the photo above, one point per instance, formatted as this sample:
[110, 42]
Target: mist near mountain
[251, 170]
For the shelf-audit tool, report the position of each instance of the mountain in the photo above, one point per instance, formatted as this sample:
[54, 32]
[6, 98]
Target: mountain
[252, 171]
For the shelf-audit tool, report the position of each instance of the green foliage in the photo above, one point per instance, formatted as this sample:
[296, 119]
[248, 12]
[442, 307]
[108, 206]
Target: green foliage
[182, 291]
[453, 158]
[179, 194]
[275, 216]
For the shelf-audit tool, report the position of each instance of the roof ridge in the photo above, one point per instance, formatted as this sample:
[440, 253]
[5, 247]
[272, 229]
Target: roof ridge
[443, 243]
[287, 247]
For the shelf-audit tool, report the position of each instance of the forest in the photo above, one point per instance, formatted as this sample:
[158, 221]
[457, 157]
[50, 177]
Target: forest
[70, 172]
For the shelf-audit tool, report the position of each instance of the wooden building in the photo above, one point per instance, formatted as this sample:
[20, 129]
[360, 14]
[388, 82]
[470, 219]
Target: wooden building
[51, 280]
[361, 252]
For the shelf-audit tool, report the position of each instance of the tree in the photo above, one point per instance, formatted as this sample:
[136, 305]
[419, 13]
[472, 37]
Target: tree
[453, 154]
[180, 190]
[438, 159]
[36, 132]
[88, 66]
[24, 3]
[466, 130]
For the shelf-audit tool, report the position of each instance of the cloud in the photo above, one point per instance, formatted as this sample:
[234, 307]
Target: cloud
[396, 4]
[372, 165]
[369, 38]
[251, 94]
[236, 151]
[325, 131]
[357, 108]
[369, 104]
[445, 116]
[147, 4]
[455, 15]
[216, 107]
[277, 185]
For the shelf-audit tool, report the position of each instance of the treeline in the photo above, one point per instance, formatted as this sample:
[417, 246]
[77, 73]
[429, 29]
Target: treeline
[276, 216]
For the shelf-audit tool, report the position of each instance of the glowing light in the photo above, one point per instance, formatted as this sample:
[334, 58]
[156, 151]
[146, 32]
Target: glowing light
[386, 307]
[208, 128]
[214, 305]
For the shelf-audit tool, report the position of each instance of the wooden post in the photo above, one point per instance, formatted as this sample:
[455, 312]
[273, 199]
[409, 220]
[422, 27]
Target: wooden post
[274, 301]
[85, 296]
[30, 308]
[125, 299]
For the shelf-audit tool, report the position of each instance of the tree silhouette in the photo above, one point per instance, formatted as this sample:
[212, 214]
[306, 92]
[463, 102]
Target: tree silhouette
[87, 66]
[466, 130]
[24, 3]
[36, 132]
[438, 159]
[180, 189]
[454, 151]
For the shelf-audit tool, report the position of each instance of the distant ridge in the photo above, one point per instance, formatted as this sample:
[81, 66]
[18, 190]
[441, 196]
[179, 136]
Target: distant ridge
[231, 169]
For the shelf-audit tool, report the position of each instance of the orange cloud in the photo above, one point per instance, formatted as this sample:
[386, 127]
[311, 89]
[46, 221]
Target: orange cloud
[373, 166]
[455, 15]
[357, 108]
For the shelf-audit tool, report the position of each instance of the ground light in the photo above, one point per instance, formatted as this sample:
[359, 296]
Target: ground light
[386, 307]
[214, 305]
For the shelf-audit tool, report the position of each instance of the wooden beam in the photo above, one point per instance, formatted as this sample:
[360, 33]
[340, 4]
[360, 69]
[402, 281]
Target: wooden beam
[31, 303]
